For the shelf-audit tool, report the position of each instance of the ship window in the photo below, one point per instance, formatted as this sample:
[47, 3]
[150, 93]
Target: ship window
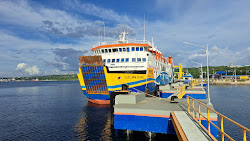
[127, 59]
[124, 49]
[117, 60]
[143, 59]
[104, 60]
[127, 49]
[110, 51]
[137, 48]
[108, 60]
[106, 51]
[145, 48]
[113, 60]
[141, 48]
[102, 50]
[120, 49]
[133, 48]
[133, 59]
[138, 59]
[122, 60]
[115, 50]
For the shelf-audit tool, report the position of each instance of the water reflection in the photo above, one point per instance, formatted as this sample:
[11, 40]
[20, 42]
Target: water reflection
[94, 123]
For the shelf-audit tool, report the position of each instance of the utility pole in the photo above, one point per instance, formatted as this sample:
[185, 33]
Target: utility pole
[208, 89]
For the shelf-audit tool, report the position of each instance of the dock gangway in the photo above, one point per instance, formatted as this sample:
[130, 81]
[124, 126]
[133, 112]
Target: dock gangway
[188, 125]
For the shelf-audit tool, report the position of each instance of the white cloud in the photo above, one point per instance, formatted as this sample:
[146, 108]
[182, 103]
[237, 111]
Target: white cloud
[21, 66]
[58, 22]
[223, 26]
[32, 70]
[18, 50]
[215, 48]
[101, 12]
[26, 69]
[19, 13]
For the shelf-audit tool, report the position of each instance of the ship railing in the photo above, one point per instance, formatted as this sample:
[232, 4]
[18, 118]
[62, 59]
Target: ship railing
[122, 42]
[207, 118]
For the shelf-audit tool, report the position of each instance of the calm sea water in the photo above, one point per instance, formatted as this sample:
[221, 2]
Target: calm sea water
[59, 111]
[233, 101]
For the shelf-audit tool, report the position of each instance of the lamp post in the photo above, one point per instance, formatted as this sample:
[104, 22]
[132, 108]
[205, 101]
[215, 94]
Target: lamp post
[201, 73]
[235, 75]
[206, 48]
[213, 74]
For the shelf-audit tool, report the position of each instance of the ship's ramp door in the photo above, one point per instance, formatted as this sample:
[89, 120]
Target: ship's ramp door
[93, 74]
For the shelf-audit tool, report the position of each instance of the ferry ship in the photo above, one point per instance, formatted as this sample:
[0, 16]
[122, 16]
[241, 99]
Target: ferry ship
[135, 63]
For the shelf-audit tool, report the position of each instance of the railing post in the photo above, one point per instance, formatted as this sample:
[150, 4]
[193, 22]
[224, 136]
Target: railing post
[208, 122]
[188, 104]
[199, 113]
[222, 128]
[244, 135]
[193, 106]
[184, 89]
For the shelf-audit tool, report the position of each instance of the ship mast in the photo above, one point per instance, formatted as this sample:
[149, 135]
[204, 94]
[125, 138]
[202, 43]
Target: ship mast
[144, 30]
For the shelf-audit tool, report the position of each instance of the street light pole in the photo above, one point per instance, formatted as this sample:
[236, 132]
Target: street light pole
[208, 90]
[213, 74]
[201, 74]
[202, 77]
[235, 75]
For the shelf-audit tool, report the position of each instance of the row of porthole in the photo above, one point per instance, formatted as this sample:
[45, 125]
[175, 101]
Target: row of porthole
[120, 50]
[118, 60]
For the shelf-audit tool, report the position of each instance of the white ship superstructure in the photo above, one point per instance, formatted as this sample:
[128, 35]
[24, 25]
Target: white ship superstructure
[133, 55]
[136, 63]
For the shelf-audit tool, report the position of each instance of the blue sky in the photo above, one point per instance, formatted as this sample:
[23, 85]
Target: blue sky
[46, 37]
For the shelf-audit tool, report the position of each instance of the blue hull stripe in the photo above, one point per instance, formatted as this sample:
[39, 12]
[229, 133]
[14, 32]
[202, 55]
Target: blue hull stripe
[131, 83]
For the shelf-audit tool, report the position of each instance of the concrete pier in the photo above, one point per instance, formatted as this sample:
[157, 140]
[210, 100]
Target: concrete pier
[154, 115]
[187, 129]
[197, 92]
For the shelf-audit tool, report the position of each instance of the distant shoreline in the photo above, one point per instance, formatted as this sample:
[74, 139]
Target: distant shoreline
[230, 83]
[38, 80]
